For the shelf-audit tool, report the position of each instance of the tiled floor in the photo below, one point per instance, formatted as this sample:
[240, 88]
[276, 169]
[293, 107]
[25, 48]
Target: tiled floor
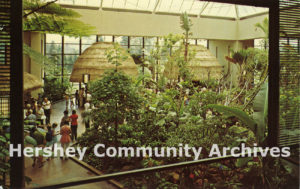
[57, 170]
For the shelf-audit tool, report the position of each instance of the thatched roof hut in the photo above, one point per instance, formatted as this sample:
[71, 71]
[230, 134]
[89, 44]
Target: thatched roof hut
[31, 82]
[203, 66]
[94, 62]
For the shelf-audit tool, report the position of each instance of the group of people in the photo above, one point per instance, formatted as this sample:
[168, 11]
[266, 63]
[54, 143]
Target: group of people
[68, 134]
[38, 114]
[80, 97]
[35, 111]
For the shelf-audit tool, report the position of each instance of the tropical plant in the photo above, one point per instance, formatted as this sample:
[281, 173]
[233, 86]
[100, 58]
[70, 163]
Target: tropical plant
[49, 17]
[264, 26]
[186, 25]
[54, 88]
[257, 123]
[116, 100]
[4, 154]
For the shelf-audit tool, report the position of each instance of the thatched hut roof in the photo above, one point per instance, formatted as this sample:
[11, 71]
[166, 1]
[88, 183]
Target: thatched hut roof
[203, 66]
[93, 61]
[31, 82]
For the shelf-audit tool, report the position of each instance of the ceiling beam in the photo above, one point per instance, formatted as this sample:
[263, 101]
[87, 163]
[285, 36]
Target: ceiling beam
[148, 4]
[156, 6]
[170, 5]
[237, 12]
[181, 5]
[258, 3]
[101, 5]
[192, 5]
[203, 8]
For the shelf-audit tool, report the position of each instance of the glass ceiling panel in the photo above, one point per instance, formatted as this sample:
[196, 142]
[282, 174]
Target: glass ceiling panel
[186, 6]
[93, 3]
[219, 10]
[248, 10]
[164, 5]
[194, 7]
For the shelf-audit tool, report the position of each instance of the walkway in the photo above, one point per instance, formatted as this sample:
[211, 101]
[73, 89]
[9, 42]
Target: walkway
[57, 170]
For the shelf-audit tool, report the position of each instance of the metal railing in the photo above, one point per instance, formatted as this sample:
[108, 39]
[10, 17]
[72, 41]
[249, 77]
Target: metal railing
[135, 172]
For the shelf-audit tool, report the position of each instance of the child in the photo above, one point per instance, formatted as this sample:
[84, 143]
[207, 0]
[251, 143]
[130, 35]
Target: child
[51, 136]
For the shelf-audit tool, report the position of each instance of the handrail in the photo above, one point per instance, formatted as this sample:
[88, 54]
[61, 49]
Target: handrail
[136, 172]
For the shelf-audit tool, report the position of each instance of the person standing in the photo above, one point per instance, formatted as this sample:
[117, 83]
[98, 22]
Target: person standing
[31, 118]
[88, 97]
[87, 112]
[74, 124]
[47, 109]
[51, 136]
[67, 98]
[77, 98]
[81, 97]
[65, 139]
[40, 114]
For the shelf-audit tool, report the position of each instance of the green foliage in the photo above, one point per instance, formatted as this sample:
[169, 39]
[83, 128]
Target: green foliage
[4, 154]
[30, 140]
[116, 55]
[264, 26]
[36, 56]
[185, 23]
[260, 108]
[116, 100]
[230, 111]
[258, 122]
[52, 18]
[54, 89]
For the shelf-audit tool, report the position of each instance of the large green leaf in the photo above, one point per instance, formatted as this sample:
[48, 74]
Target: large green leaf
[30, 140]
[260, 107]
[230, 111]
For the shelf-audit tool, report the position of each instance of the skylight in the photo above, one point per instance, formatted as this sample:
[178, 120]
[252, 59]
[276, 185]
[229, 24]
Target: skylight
[192, 7]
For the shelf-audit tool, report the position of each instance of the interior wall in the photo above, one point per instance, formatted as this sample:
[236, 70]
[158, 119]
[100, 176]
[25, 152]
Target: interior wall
[247, 30]
[146, 24]
[26, 59]
[221, 48]
[33, 40]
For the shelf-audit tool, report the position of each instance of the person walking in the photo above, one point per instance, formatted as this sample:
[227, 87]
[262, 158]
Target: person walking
[65, 139]
[65, 120]
[47, 109]
[74, 124]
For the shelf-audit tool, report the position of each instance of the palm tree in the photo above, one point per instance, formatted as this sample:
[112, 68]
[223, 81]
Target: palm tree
[264, 26]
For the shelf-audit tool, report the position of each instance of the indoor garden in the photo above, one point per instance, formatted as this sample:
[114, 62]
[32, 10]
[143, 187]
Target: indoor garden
[177, 96]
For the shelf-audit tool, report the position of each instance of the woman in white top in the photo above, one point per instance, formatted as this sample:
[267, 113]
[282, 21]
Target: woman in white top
[47, 109]
[40, 114]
